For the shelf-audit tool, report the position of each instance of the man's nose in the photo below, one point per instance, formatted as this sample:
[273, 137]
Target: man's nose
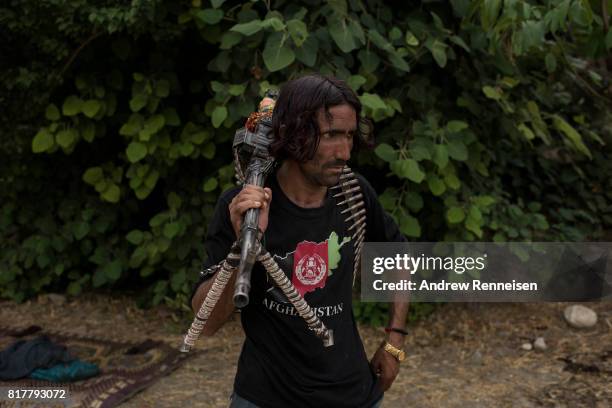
[343, 151]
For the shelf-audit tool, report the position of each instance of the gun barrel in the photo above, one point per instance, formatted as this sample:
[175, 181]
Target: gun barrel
[248, 238]
[247, 260]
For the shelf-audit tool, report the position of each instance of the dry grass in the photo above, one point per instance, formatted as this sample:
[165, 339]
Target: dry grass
[461, 356]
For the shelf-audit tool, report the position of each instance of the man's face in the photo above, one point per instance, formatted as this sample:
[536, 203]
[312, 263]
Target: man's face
[334, 150]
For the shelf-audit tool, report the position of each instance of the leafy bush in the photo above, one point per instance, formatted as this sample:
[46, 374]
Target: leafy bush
[491, 120]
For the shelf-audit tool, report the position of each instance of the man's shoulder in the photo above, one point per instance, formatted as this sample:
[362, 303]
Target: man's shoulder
[365, 185]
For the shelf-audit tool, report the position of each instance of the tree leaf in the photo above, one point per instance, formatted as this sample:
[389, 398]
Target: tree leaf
[276, 54]
[93, 175]
[154, 124]
[80, 229]
[456, 126]
[438, 51]
[151, 179]
[420, 150]
[572, 135]
[52, 113]
[411, 40]
[489, 10]
[43, 141]
[436, 185]
[210, 16]
[186, 148]
[135, 237]
[451, 180]
[65, 138]
[492, 93]
[112, 193]
[399, 62]
[210, 184]
[99, 278]
[307, 53]
[138, 102]
[339, 7]
[133, 125]
[136, 151]
[409, 169]
[218, 116]
[236, 90]
[440, 156]
[162, 88]
[356, 81]
[380, 41]
[112, 270]
[171, 117]
[455, 215]
[208, 151]
[174, 201]
[457, 150]
[248, 29]
[88, 131]
[373, 101]
[369, 60]
[386, 152]
[357, 30]
[525, 131]
[91, 108]
[298, 31]
[459, 41]
[72, 105]
[273, 22]
[473, 225]
[341, 34]
[199, 137]
[414, 201]
[410, 226]
[171, 229]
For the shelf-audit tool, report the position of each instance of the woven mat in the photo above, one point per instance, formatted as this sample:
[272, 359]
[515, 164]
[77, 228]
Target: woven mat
[125, 368]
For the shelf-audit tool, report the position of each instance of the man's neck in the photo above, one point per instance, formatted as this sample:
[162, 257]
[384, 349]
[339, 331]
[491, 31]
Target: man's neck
[301, 191]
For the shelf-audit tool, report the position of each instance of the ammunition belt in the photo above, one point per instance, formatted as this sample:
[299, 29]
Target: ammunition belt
[351, 196]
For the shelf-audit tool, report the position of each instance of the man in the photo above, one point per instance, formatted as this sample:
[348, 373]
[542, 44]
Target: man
[282, 363]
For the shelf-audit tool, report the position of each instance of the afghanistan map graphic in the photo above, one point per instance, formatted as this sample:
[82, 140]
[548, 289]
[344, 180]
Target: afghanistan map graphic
[310, 264]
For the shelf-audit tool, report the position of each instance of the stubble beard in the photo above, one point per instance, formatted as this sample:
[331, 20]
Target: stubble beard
[319, 178]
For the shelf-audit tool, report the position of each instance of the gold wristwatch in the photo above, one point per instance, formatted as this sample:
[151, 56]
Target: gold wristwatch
[399, 354]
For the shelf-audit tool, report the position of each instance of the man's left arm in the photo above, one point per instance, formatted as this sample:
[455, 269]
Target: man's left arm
[382, 228]
[383, 362]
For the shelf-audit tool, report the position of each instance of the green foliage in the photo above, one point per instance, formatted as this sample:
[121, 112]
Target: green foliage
[492, 123]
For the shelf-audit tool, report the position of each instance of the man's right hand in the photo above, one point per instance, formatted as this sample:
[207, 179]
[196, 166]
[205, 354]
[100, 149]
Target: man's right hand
[250, 197]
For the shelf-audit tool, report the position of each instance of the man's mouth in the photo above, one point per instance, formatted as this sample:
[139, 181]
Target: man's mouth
[336, 166]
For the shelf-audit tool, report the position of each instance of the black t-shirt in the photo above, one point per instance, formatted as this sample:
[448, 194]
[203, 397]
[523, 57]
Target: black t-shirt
[282, 362]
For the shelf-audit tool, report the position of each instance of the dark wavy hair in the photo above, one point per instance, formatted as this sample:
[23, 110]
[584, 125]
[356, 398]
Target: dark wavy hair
[294, 122]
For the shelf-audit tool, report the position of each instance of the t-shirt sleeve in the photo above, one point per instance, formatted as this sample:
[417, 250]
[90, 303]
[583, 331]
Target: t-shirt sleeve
[219, 236]
[380, 226]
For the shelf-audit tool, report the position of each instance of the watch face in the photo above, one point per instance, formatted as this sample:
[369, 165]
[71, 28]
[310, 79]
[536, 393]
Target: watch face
[401, 356]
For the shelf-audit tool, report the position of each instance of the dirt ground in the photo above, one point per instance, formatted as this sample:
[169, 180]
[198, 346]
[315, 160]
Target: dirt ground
[460, 356]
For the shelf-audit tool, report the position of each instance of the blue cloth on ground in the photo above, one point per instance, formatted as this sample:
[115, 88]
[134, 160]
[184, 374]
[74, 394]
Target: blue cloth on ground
[69, 372]
[22, 357]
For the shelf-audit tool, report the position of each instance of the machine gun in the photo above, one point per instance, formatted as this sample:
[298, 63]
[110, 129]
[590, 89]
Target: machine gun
[253, 162]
